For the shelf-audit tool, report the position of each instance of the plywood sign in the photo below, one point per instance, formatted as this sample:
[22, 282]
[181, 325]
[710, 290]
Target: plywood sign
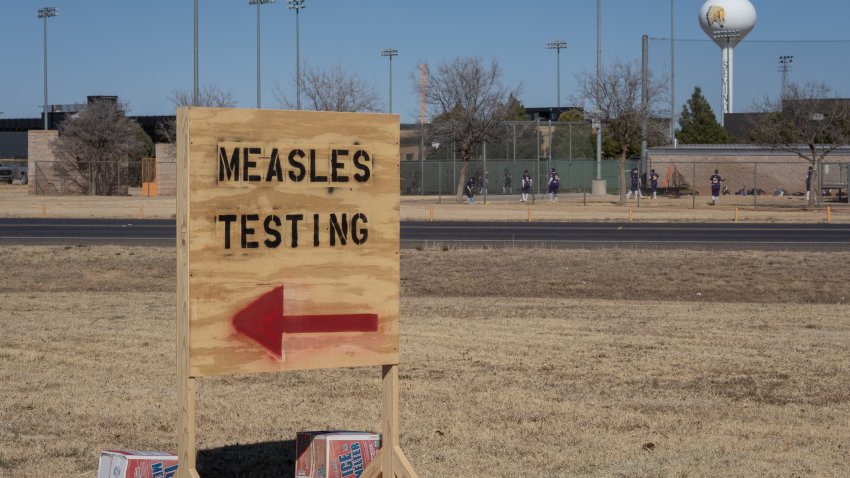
[288, 242]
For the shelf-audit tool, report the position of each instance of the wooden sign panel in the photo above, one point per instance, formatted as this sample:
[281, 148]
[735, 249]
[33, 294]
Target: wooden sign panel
[288, 240]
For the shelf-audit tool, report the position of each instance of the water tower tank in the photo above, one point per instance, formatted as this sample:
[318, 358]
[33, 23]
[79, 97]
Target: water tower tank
[727, 22]
[718, 15]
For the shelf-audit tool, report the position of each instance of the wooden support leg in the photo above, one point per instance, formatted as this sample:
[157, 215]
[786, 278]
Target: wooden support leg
[390, 462]
[403, 468]
[390, 437]
[186, 452]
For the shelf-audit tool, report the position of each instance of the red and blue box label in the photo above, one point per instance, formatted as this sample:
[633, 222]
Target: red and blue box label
[334, 454]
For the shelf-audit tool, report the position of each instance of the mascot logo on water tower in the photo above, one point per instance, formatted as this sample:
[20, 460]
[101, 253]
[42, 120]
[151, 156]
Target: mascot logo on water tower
[715, 15]
[727, 22]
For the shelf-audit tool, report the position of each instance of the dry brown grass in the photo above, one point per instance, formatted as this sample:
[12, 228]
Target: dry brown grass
[571, 207]
[501, 375]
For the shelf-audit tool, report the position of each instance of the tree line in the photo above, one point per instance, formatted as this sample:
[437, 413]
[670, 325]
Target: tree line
[471, 103]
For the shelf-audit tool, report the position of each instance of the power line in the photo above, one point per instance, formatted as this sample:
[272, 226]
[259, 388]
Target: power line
[750, 41]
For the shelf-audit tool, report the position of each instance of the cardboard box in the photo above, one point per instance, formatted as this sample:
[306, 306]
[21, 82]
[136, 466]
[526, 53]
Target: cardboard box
[136, 464]
[334, 454]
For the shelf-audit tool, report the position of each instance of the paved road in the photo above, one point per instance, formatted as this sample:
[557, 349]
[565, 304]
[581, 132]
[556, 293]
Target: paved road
[655, 235]
[417, 234]
[87, 231]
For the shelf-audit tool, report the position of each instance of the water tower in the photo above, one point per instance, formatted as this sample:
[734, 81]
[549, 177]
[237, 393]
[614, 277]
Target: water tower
[727, 22]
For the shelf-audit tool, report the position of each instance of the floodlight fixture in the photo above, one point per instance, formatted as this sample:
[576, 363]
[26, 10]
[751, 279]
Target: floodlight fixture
[48, 12]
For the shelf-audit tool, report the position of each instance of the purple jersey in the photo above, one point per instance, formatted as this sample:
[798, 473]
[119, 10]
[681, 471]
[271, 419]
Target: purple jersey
[526, 182]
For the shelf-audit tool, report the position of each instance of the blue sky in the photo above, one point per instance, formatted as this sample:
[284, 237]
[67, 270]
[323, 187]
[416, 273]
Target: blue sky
[142, 50]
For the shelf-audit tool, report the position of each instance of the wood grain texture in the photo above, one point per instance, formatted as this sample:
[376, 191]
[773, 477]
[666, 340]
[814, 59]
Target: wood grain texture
[185, 384]
[318, 279]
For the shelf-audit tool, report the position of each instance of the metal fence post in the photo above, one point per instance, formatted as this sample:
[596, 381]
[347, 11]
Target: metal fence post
[421, 159]
[755, 183]
[694, 188]
[454, 173]
[537, 175]
[486, 174]
[440, 182]
[514, 138]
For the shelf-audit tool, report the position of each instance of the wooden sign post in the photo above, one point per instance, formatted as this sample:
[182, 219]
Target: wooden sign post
[288, 253]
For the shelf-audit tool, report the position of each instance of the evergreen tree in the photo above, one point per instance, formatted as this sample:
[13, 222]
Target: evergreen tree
[698, 123]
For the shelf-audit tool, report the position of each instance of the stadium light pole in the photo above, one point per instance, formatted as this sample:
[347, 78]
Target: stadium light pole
[785, 67]
[259, 3]
[195, 84]
[672, 73]
[46, 13]
[390, 53]
[297, 5]
[557, 45]
[598, 79]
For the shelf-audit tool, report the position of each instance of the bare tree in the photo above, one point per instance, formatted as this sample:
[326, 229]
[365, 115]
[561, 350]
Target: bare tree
[621, 109]
[334, 89]
[95, 146]
[210, 96]
[806, 121]
[471, 105]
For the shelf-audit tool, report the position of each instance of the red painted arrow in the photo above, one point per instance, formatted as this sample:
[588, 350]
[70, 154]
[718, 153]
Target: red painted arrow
[264, 322]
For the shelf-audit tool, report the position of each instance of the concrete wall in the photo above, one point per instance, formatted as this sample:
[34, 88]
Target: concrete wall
[166, 169]
[742, 168]
[40, 150]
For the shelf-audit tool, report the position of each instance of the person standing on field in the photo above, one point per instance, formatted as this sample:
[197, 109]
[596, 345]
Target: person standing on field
[469, 190]
[653, 182]
[809, 182]
[507, 186]
[634, 189]
[526, 186]
[554, 185]
[715, 180]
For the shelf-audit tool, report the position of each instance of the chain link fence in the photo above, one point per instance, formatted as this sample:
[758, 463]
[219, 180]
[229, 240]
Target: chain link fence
[755, 180]
[502, 176]
[431, 166]
[101, 178]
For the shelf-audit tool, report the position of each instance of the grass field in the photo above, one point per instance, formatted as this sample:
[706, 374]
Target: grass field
[550, 363]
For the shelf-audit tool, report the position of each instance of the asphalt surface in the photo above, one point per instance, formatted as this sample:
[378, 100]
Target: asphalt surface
[471, 234]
